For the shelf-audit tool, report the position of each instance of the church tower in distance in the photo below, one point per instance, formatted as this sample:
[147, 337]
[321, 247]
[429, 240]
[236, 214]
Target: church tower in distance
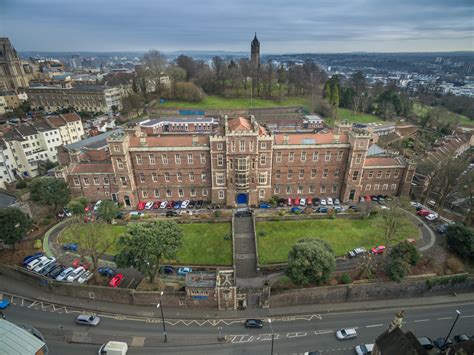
[255, 51]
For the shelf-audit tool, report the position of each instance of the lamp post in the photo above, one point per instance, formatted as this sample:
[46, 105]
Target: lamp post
[160, 306]
[273, 334]
[452, 327]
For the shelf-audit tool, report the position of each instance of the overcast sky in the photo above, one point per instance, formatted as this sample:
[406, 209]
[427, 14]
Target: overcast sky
[282, 26]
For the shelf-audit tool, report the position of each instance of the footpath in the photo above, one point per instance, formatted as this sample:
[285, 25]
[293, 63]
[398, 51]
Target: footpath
[18, 288]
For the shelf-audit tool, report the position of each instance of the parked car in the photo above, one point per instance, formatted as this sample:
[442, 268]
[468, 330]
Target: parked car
[156, 205]
[414, 204]
[170, 204]
[243, 212]
[353, 208]
[323, 202]
[289, 202]
[177, 204]
[361, 199]
[329, 201]
[171, 213]
[182, 271]
[443, 228]
[168, 269]
[43, 264]
[76, 263]
[346, 333]
[64, 274]
[136, 214]
[296, 201]
[70, 246]
[149, 205]
[264, 205]
[56, 271]
[461, 338]
[431, 217]
[321, 209]
[423, 213]
[426, 342]
[339, 209]
[316, 201]
[253, 323]
[163, 204]
[337, 202]
[192, 204]
[116, 280]
[364, 349]
[185, 204]
[88, 208]
[106, 271]
[86, 276]
[32, 264]
[199, 204]
[97, 205]
[374, 198]
[87, 319]
[440, 343]
[354, 253]
[28, 259]
[48, 268]
[303, 202]
[309, 201]
[378, 249]
[73, 276]
[66, 212]
[296, 210]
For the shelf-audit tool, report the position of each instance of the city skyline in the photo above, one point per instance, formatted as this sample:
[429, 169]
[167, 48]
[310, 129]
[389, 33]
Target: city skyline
[300, 26]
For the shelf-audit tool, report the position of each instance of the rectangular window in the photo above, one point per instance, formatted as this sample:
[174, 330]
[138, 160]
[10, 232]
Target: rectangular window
[119, 163]
[301, 174]
[291, 156]
[157, 193]
[300, 189]
[179, 177]
[96, 181]
[204, 176]
[277, 190]
[313, 173]
[261, 193]
[376, 187]
[368, 187]
[142, 178]
[204, 192]
[190, 158]
[191, 176]
[340, 154]
[220, 179]
[154, 177]
[251, 144]
[180, 192]
[242, 146]
[164, 159]
[106, 181]
[76, 181]
[86, 181]
[277, 174]
[387, 174]
[203, 158]
[220, 160]
[371, 174]
[334, 189]
[167, 177]
[358, 158]
[393, 187]
[168, 193]
[193, 192]
[290, 174]
[336, 173]
[278, 157]
[325, 173]
[221, 194]
[303, 156]
[315, 156]
[144, 194]
[232, 146]
[288, 190]
[327, 157]
[123, 180]
[262, 179]
[263, 145]
[219, 146]
[355, 175]
[263, 159]
[177, 159]
[396, 174]
[379, 174]
[384, 187]
[322, 189]
[151, 157]
[139, 159]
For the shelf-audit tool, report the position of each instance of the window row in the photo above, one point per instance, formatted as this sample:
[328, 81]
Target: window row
[368, 187]
[304, 156]
[95, 180]
[301, 173]
[155, 177]
[302, 190]
[379, 174]
[165, 158]
[170, 193]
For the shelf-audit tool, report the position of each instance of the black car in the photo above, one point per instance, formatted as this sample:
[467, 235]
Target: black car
[48, 268]
[426, 342]
[440, 344]
[282, 202]
[56, 271]
[192, 204]
[243, 212]
[168, 269]
[316, 201]
[171, 213]
[199, 204]
[461, 338]
[353, 208]
[253, 323]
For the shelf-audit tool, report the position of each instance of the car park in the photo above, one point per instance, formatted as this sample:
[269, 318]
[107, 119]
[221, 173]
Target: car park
[64, 274]
[426, 342]
[149, 205]
[163, 204]
[303, 202]
[461, 338]
[32, 264]
[48, 268]
[87, 319]
[431, 217]
[321, 209]
[329, 201]
[243, 212]
[323, 202]
[296, 210]
[41, 265]
[56, 271]
[97, 205]
[199, 204]
[28, 259]
[442, 343]
[86, 276]
[346, 333]
[253, 323]
[185, 204]
[106, 271]
[264, 205]
[70, 246]
[116, 280]
[378, 249]
[354, 253]
[73, 276]
[364, 349]
[171, 213]
[182, 271]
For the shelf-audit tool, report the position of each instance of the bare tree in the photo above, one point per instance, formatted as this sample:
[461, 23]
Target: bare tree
[155, 66]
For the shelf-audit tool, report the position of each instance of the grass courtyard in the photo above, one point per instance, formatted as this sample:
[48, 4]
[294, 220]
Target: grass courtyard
[349, 115]
[203, 243]
[342, 234]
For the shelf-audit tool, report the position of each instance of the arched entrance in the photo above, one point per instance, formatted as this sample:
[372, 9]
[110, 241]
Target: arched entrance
[242, 199]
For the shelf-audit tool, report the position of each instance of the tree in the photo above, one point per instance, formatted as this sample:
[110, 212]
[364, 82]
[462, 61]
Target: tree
[145, 245]
[50, 191]
[460, 239]
[187, 92]
[407, 252]
[92, 241]
[397, 269]
[155, 65]
[132, 103]
[359, 89]
[77, 205]
[108, 210]
[390, 220]
[366, 266]
[310, 261]
[14, 225]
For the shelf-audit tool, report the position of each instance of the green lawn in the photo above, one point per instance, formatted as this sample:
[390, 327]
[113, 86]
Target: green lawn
[420, 110]
[349, 115]
[217, 102]
[342, 234]
[203, 243]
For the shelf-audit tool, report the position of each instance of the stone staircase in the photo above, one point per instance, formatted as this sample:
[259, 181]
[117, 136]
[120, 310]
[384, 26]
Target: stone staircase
[244, 243]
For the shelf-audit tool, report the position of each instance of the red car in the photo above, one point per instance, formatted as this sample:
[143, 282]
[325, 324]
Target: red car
[367, 198]
[378, 250]
[141, 205]
[423, 213]
[309, 201]
[170, 205]
[290, 202]
[116, 280]
[88, 208]
[296, 201]
[156, 205]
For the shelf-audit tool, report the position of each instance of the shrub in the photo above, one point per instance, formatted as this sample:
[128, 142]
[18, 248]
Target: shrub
[21, 184]
[281, 212]
[187, 91]
[217, 213]
[346, 278]
[46, 220]
[228, 237]
[444, 280]
[38, 244]
[397, 269]
[406, 252]
[262, 233]
[460, 239]
[455, 265]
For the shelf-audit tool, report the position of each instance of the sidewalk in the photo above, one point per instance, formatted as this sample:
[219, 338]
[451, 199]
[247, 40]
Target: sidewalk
[19, 288]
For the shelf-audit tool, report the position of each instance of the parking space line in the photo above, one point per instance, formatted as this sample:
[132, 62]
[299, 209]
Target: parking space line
[374, 325]
[444, 318]
[421, 320]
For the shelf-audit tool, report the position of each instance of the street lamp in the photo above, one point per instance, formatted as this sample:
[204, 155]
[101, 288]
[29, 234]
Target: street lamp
[452, 327]
[160, 306]
[273, 334]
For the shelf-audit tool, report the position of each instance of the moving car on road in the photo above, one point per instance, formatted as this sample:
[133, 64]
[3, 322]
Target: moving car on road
[253, 323]
[113, 348]
[346, 333]
[87, 319]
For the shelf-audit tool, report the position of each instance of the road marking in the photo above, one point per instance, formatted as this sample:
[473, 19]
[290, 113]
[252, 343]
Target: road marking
[296, 334]
[421, 320]
[374, 325]
[33, 304]
[265, 337]
[444, 318]
[318, 332]
[467, 316]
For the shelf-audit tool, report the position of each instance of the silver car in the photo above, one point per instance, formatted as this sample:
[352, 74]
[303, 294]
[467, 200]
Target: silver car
[87, 319]
[344, 334]
[364, 349]
[63, 276]
[43, 264]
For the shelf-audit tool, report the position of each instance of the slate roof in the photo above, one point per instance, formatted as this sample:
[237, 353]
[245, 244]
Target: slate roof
[96, 141]
[16, 340]
[396, 342]
[309, 138]
[6, 200]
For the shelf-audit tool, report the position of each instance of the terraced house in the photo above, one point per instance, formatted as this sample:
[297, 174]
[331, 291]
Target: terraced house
[239, 161]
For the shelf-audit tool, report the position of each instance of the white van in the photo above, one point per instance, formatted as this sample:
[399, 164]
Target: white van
[113, 348]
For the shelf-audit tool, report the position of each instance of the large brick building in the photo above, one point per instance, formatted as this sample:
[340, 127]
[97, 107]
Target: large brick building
[238, 162]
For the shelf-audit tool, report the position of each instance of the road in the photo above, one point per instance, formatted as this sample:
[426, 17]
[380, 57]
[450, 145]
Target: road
[292, 334]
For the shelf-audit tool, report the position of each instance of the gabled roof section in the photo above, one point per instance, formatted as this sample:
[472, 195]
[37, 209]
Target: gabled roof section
[240, 124]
